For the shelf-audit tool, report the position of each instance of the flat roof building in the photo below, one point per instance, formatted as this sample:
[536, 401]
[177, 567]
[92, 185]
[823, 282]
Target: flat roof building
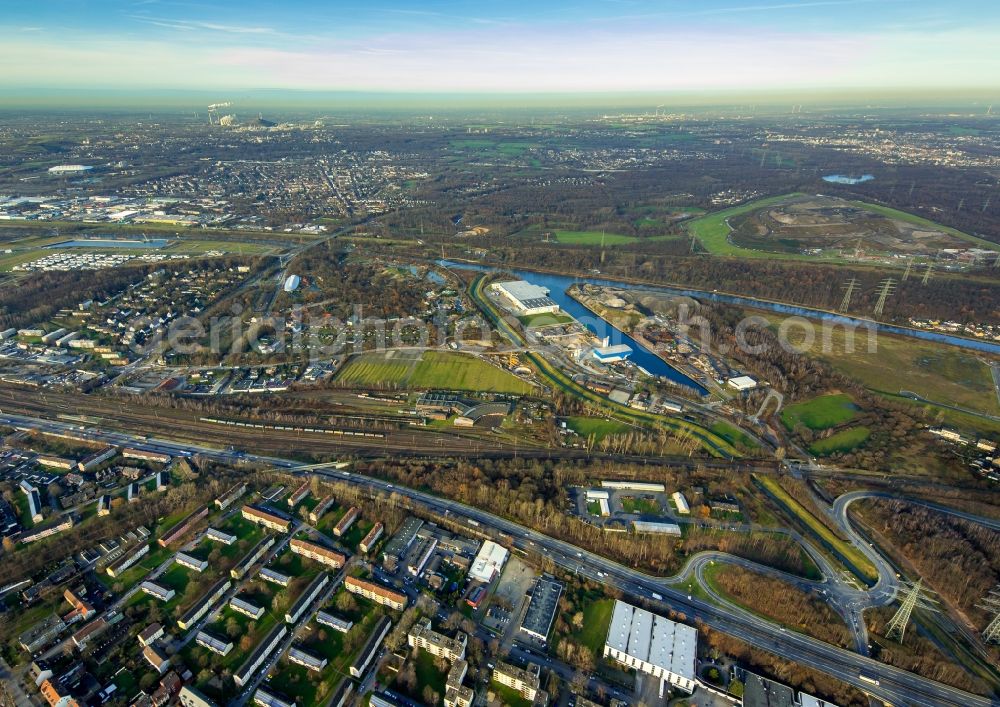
[421, 635]
[489, 562]
[742, 383]
[681, 502]
[525, 298]
[542, 608]
[652, 644]
[525, 681]
[400, 542]
[610, 354]
[191, 697]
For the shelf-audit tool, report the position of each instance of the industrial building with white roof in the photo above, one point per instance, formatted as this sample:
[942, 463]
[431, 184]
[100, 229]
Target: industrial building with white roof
[525, 298]
[654, 645]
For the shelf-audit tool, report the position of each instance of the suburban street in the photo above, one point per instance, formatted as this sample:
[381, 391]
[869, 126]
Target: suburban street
[895, 686]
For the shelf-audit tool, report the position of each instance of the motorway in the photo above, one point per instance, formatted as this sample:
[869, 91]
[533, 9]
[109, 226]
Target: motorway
[895, 686]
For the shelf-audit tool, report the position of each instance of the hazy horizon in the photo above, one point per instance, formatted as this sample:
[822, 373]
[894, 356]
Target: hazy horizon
[521, 48]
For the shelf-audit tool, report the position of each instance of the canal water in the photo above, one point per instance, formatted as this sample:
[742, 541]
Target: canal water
[558, 284]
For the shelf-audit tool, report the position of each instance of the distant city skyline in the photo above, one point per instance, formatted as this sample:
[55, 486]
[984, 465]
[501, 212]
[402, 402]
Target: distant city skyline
[556, 46]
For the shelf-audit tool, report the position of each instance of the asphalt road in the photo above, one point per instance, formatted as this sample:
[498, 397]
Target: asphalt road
[895, 686]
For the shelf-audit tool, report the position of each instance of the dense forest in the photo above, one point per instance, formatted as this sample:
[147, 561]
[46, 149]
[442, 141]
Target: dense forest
[783, 602]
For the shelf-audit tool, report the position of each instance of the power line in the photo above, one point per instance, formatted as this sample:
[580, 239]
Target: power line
[914, 597]
[885, 289]
[991, 605]
[849, 287]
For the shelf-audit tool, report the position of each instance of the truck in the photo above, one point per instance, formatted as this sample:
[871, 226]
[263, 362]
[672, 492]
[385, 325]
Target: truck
[868, 678]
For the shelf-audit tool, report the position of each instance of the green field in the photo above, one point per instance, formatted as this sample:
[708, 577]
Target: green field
[444, 370]
[841, 441]
[713, 231]
[545, 319]
[508, 696]
[593, 238]
[197, 246]
[641, 505]
[733, 435]
[938, 372]
[596, 426]
[596, 619]
[820, 413]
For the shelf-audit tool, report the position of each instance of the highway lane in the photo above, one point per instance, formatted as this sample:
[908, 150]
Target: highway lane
[898, 687]
[842, 503]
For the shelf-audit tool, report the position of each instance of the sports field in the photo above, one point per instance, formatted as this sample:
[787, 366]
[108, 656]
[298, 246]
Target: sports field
[444, 370]
[596, 426]
[820, 413]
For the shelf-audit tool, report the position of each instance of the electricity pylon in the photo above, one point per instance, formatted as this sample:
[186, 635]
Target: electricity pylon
[849, 287]
[906, 273]
[991, 605]
[913, 597]
[885, 289]
[927, 273]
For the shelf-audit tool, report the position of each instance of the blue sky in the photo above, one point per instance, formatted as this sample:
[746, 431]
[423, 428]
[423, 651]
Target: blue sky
[545, 46]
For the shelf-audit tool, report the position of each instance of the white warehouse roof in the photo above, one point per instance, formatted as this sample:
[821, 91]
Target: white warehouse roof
[653, 639]
[742, 383]
[528, 295]
[488, 562]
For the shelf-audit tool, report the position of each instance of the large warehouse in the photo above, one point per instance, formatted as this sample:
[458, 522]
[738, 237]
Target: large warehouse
[653, 645]
[525, 298]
